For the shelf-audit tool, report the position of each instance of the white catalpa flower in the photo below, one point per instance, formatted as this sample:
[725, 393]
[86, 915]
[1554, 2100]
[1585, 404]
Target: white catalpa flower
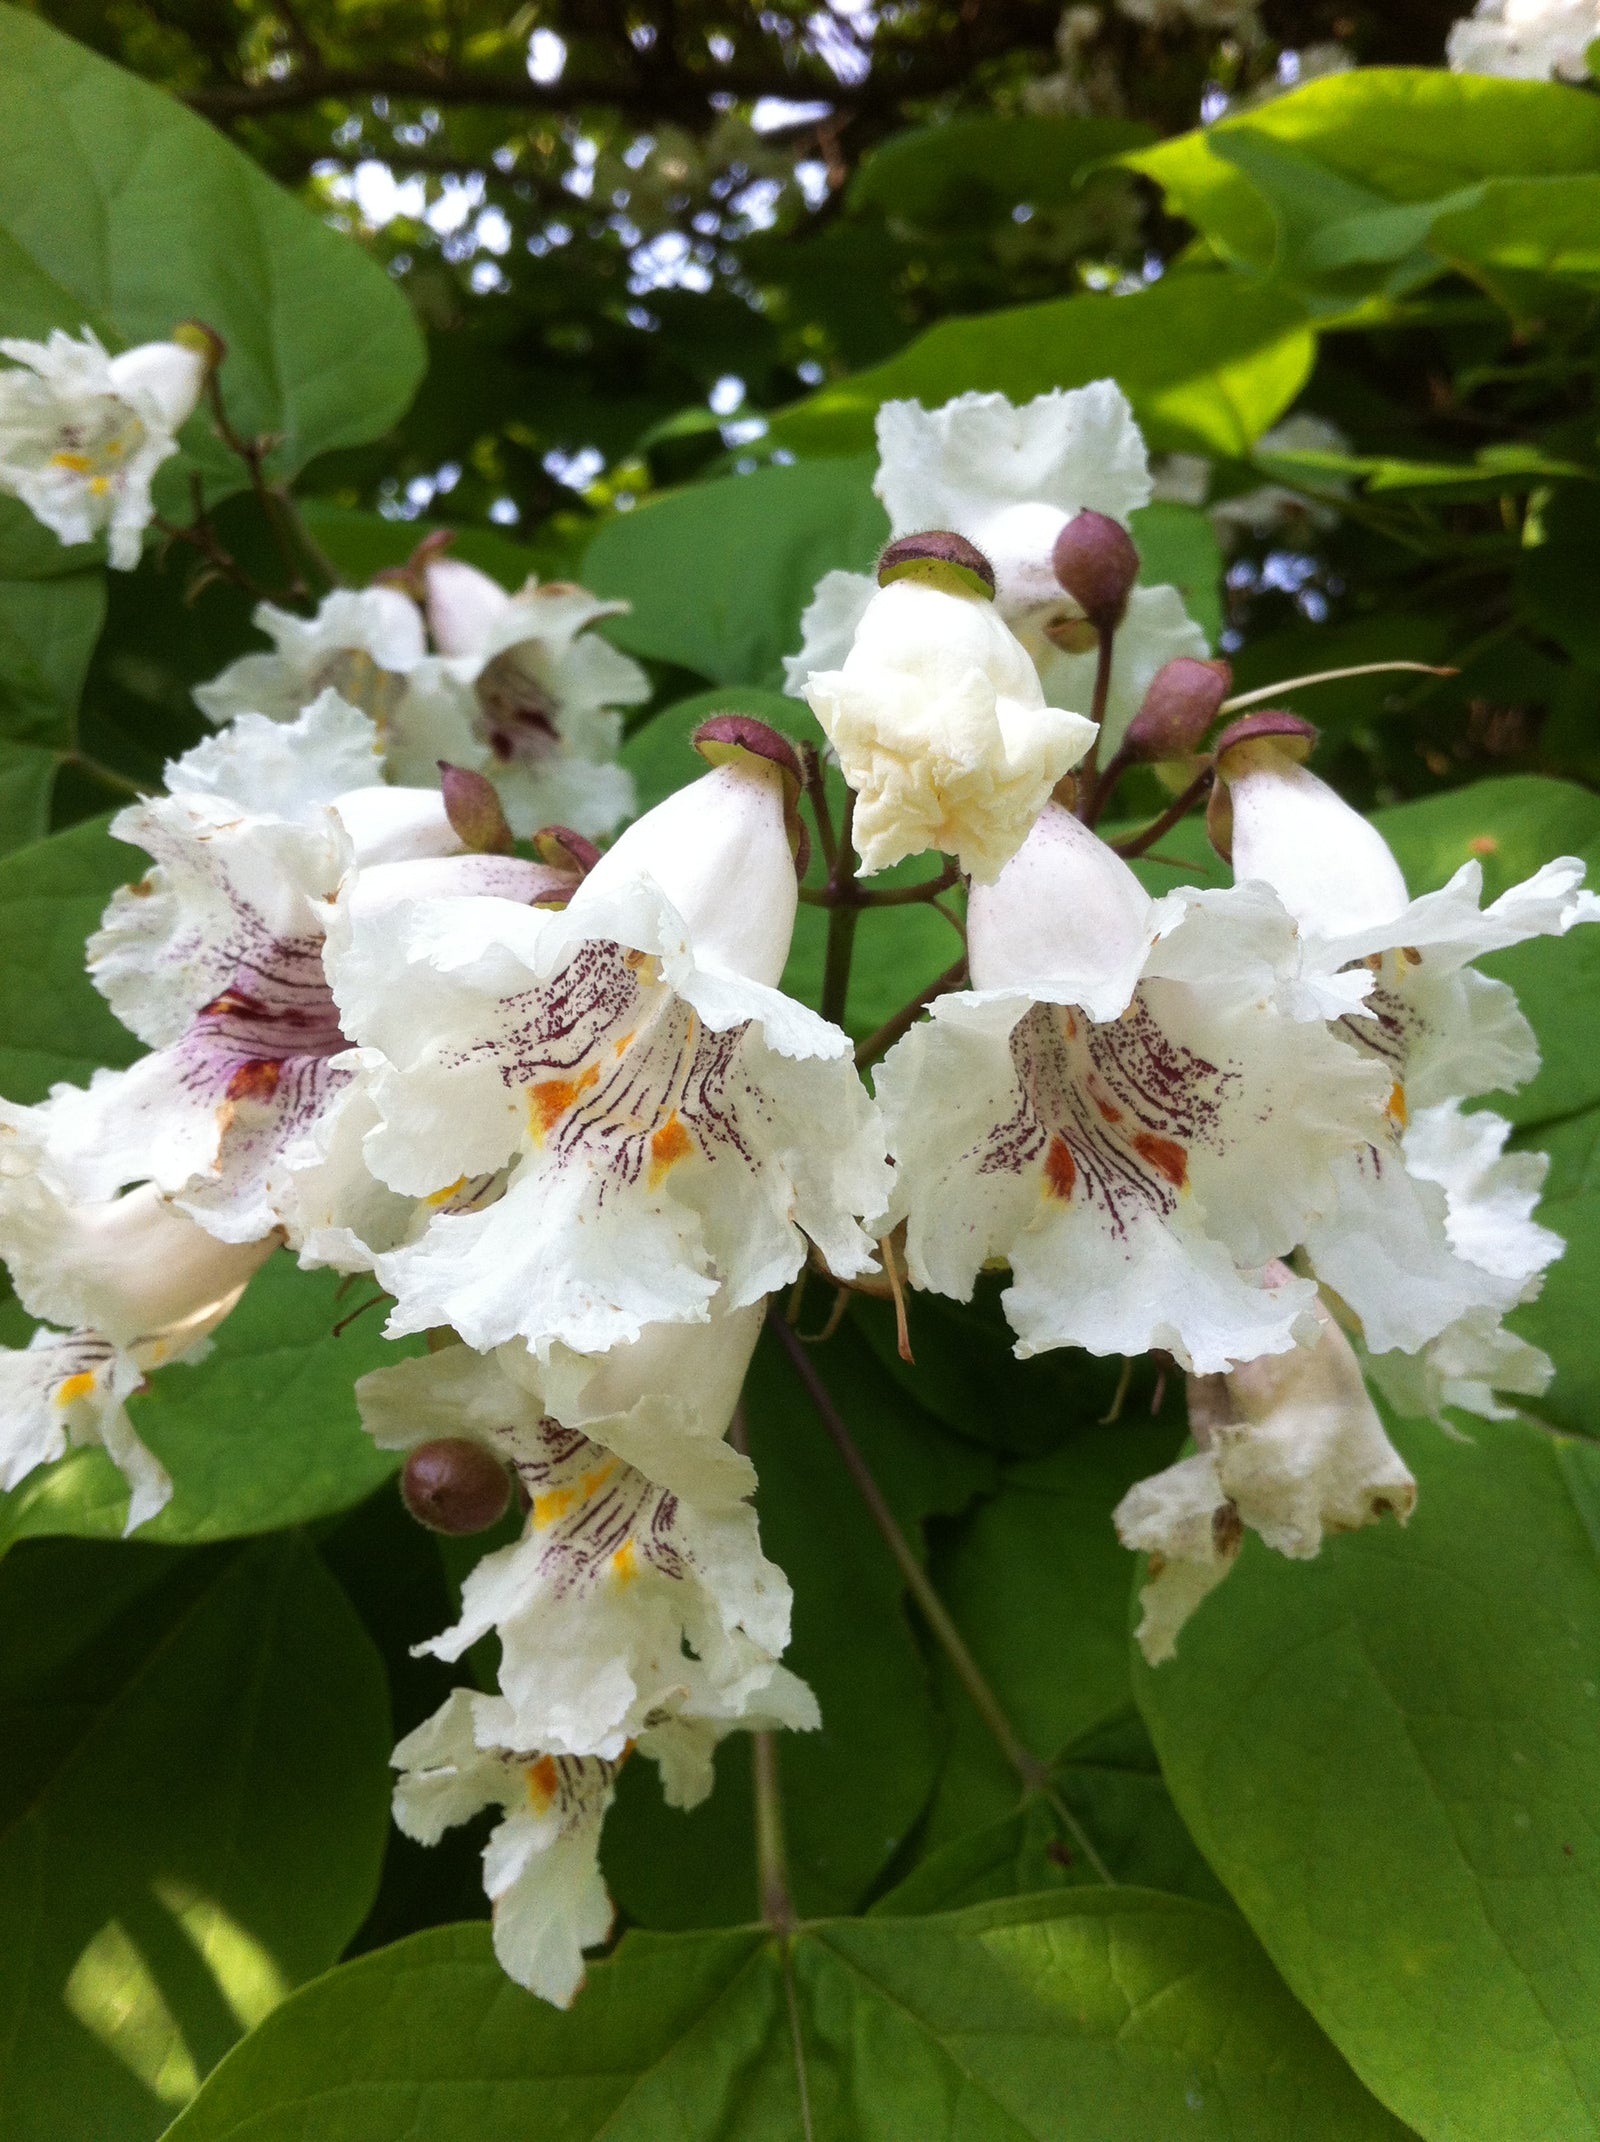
[214, 960]
[1136, 1100]
[622, 1603]
[1009, 479]
[1490, 1199]
[136, 1283]
[1291, 1448]
[1441, 1031]
[1532, 40]
[674, 1125]
[938, 719]
[82, 434]
[542, 693]
[661, 1403]
[363, 644]
[541, 1867]
[1273, 507]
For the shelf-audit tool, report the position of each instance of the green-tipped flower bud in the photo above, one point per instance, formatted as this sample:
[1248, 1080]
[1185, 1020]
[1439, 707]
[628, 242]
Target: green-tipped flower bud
[455, 1486]
[1096, 562]
[472, 805]
[939, 558]
[727, 738]
[204, 342]
[1180, 706]
[1279, 732]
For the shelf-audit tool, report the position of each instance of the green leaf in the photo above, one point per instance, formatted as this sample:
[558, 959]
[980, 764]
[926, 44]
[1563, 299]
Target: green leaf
[260, 1434]
[1207, 362]
[1492, 471]
[1391, 1755]
[1178, 545]
[973, 170]
[719, 573]
[854, 1790]
[121, 210]
[48, 629]
[27, 775]
[1110, 1783]
[54, 1024]
[1116, 2015]
[192, 1817]
[1400, 134]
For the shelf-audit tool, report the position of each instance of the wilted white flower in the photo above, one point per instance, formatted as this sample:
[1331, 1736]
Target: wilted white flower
[82, 433]
[1009, 479]
[674, 1126]
[1441, 1031]
[542, 693]
[941, 728]
[1136, 1105]
[1291, 1448]
[1536, 40]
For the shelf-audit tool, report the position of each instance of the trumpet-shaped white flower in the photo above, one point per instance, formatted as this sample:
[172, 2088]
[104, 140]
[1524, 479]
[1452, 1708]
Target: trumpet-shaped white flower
[942, 730]
[1534, 40]
[541, 1865]
[1136, 1099]
[214, 959]
[1490, 1198]
[82, 434]
[137, 1283]
[1290, 1448]
[662, 1403]
[1441, 1031]
[1009, 479]
[543, 693]
[363, 643]
[675, 1127]
[622, 1603]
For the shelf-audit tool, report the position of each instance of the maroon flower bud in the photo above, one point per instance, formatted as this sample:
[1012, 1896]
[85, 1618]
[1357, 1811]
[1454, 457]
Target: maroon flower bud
[941, 559]
[455, 1486]
[472, 805]
[1178, 709]
[1096, 562]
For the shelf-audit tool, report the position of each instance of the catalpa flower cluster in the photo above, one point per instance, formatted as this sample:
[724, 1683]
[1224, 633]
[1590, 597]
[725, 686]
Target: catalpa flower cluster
[558, 1105]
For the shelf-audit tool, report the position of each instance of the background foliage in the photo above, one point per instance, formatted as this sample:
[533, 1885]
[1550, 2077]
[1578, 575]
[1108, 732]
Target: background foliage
[617, 293]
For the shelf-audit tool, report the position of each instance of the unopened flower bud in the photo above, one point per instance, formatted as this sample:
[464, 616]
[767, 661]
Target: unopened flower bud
[1096, 562]
[472, 805]
[203, 341]
[1180, 706]
[1280, 733]
[938, 559]
[455, 1486]
[565, 850]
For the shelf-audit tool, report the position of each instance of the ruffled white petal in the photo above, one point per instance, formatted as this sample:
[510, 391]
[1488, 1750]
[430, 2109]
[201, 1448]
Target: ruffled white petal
[283, 770]
[942, 730]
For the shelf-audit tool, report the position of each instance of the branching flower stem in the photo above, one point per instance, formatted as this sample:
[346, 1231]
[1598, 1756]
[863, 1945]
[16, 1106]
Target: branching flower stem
[844, 912]
[1179, 808]
[1087, 777]
[889, 1033]
[1034, 1774]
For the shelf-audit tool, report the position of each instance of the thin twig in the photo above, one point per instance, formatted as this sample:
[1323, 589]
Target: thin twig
[905, 1018]
[1088, 783]
[817, 791]
[1034, 1774]
[1177, 809]
[841, 920]
[1330, 676]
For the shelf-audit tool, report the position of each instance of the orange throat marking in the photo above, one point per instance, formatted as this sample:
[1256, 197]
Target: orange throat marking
[668, 1145]
[1060, 1173]
[550, 1098]
[1165, 1155]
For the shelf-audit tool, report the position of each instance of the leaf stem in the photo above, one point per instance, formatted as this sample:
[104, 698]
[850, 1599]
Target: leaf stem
[842, 918]
[889, 1033]
[1177, 809]
[1088, 782]
[1034, 1774]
